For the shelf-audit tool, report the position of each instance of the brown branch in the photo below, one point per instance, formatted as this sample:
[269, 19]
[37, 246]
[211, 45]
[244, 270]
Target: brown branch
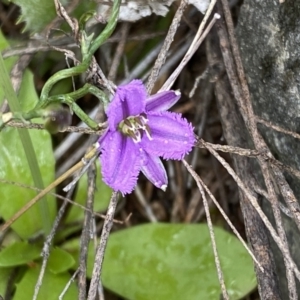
[75, 129]
[277, 128]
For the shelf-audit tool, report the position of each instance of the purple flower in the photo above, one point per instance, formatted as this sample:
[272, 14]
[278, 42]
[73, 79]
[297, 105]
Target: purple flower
[139, 131]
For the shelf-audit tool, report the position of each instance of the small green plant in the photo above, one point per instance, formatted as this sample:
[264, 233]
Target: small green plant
[152, 261]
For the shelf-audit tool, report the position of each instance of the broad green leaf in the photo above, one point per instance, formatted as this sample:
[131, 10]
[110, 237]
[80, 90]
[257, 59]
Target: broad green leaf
[38, 14]
[26, 141]
[14, 165]
[51, 288]
[4, 278]
[174, 261]
[60, 261]
[19, 253]
[101, 201]
[171, 261]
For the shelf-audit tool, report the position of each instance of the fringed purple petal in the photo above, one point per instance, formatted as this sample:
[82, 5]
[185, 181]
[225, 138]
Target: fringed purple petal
[155, 171]
[162, 101]
[172, 135]
[120, 161]
[129, 100]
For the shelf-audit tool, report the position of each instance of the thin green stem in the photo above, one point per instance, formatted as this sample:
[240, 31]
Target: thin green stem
[79, 112]
[88, 88]
[60, 75]
[109, 28]
[88, 48]
[68, 99]
[87, 57]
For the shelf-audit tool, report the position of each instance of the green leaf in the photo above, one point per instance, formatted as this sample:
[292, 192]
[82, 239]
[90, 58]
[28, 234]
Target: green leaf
[51, 288]
[19, 253]
[171, 261]
[38, 14]
[25, 139]
[174, 261]
[101, 201]
[14, 164]
[60, 261]
[14, 167]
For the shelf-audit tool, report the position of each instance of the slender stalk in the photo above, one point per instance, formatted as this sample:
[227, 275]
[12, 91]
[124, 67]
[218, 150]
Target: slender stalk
[88, 48]
[87, 57]
[102, 246]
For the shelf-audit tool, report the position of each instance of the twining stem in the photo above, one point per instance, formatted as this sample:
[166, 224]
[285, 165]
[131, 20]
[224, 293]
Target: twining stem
[70, 99]
[88, 48]
[108, 30]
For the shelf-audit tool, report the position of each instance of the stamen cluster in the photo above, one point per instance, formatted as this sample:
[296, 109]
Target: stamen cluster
[135, 127]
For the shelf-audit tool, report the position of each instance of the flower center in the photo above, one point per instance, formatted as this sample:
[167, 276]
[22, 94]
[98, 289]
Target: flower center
[135, 126]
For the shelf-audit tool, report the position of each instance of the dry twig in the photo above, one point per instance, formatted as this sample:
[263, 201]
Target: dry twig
[86, 233]
[101, 247]
[211, 231]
